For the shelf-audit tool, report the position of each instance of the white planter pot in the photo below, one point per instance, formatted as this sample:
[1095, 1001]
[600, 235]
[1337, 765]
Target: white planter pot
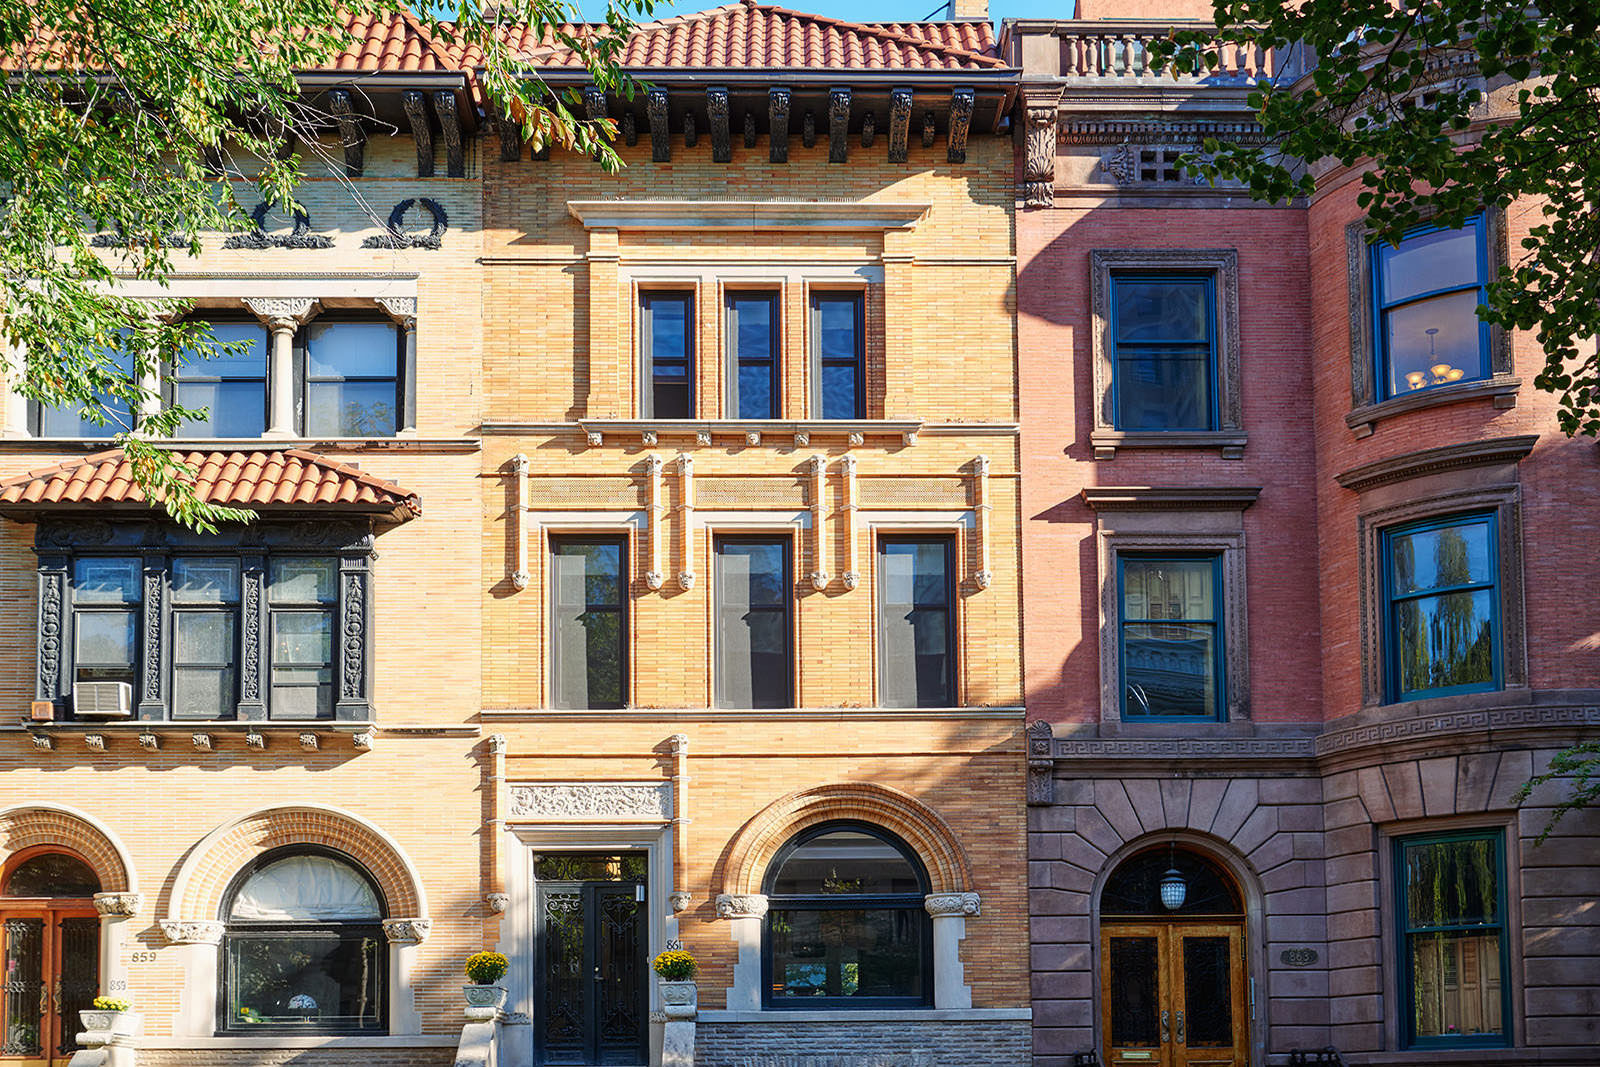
[678, 999]
[117, 1023]
[484, 996]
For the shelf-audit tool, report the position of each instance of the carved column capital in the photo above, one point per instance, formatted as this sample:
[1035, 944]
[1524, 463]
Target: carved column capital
[498, 902]
[741, 905]
[679, 900]
[283, 314]
[403, 309]
[947, 904]
[407, 931]
[118, 905]
[195, 932]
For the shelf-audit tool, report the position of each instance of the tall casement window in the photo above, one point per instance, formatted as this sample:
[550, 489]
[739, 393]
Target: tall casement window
[1171, 637]
[302, 595]
[846, 925]
[1163, 341]
[754, 342]
[589, 624]
[232, 387]
[352, 378]
[755, 633]
[105, 598]
[304, 949]
[1426, 294]
[1442, 632]
[70, 421]
[916, 623]
[838, 338]
[666, 331]
[1453, 968]
[205, 637]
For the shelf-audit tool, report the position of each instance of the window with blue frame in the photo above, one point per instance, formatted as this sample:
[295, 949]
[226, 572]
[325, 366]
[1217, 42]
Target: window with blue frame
[1453, 965]
[1426, 294]
[1171, 637]
[753, 347]
[838, 339]
[1442, 631]
[1164, 351]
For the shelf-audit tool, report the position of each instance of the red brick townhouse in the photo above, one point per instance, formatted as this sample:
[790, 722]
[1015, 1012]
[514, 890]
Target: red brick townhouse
[1307, 564]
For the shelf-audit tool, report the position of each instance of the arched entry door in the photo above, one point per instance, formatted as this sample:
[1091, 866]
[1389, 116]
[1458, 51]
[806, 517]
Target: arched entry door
[50, 952]
[1172, 971]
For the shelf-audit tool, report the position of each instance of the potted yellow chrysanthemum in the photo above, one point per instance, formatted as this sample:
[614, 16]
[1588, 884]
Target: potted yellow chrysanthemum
[676, 969]
[485, 969]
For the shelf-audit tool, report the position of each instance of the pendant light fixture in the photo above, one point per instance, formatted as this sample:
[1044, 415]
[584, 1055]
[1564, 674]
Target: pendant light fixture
[1174, 888]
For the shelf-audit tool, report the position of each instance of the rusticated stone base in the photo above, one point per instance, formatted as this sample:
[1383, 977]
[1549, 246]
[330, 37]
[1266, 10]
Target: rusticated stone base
[782, 1043]
[296, 1057]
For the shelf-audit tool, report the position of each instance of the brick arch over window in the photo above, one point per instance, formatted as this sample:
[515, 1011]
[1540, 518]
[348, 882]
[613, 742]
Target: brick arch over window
[914, 822]
[32, 825]
[203, 878]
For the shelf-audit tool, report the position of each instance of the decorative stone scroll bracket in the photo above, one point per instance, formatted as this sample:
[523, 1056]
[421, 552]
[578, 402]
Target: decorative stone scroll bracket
[819, 526]
[1039, 151]
[1041, 764]
[653, 577]
[686, 519]
[520, 576]
[850, 505]
[412, 931]
[981, 508]
[192, 932]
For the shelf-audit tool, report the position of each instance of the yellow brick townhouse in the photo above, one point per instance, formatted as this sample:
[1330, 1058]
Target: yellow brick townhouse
[636, 567]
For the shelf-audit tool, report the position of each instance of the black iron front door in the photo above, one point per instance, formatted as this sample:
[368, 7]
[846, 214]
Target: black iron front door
[591, 1001]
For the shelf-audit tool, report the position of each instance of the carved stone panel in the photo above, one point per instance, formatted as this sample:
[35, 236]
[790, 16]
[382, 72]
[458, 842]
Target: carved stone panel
[592, 802]
[52, 621]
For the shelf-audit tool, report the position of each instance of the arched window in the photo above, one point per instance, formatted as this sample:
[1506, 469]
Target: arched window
[50, 874]
[846, 925]
[1134, 888]
[304, 948]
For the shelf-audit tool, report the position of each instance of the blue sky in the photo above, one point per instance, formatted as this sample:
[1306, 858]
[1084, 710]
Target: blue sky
[873, 10]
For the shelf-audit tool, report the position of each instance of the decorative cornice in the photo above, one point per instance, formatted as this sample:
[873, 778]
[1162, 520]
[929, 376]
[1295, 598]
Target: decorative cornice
[118, 905]
[741, 905]
[197, 932]
[1146, 498]
[745, 215]
[412, 931]
[1496, 450]
[960, 904]
[584, 802]
[1081, 131]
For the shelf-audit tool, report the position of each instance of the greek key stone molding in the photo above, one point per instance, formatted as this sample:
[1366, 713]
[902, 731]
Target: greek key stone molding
[407, 931]
[1185, 748]
[196, 932]
[118, 905]
[741, 905]
[941, 904]
[1455, 722]
[574, 802]
[1041, 764]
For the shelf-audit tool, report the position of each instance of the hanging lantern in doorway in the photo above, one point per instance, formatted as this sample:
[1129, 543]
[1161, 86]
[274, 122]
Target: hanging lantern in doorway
[1174, 889]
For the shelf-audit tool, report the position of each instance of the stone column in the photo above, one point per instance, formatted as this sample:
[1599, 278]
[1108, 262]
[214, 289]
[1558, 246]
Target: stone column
[282, 318]
[745, 912]
[950, 912]
[115, 909]
[404, 936]
[403, 309]
[197, 943]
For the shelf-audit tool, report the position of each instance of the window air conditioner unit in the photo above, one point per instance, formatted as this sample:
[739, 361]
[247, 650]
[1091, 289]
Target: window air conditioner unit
[108, 699]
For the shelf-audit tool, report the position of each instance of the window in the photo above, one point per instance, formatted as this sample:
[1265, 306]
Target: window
[755, 665]
[1442, 619]
[846, 926]
[1163, 351]
[916, 623]
[1426, 293]
[205, 628]
[588, 598]
[1452, 939]
[232, 387]
[304, 949]
[1170, 637]
[105, 619]
[301, 597]
[838, 337]
[666, 329]
[70, 421]
[352, 378]
[186, 657]
[753, 347]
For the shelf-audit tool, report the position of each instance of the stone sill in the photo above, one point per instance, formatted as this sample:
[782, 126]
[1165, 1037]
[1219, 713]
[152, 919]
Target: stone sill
[305, 1041]
[903, 1015]
[203, 737]
[753, 432]
[1501, 390]
[1106, 442]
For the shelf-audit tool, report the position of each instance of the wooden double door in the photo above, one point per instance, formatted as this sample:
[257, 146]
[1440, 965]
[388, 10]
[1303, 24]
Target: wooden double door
[1173, 994]
[51, 960]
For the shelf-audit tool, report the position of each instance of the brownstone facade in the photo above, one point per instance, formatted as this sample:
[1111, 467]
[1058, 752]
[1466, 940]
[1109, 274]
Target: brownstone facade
[1302, 786]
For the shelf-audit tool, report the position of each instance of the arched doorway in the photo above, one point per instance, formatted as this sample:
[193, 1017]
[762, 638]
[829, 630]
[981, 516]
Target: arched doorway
[1172, 962]
[50, 952]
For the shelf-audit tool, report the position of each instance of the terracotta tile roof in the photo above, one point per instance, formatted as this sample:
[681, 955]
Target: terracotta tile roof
[393, 42]
[261, 479]
[749, 35]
